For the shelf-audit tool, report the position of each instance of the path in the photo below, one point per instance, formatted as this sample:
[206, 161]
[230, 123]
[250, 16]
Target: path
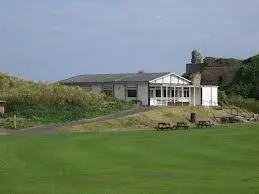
[52, 129]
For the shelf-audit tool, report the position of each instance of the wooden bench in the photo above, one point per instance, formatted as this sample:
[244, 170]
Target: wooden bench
[204, 124]
[163, 126]
[181, 125]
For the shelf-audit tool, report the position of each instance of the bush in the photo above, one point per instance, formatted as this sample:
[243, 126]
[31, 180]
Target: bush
[20, 92]
[37, 103]
[246, 81]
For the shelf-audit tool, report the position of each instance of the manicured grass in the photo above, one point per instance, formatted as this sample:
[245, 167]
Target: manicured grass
[223, 160]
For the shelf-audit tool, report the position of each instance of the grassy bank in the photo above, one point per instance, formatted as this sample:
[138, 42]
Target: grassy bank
[196, 161]
[33, 115]
[151, 118]
[40, 103]
[239, 101]
[249, 104]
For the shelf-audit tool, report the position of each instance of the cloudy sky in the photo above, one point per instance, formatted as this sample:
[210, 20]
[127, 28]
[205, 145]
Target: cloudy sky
[54, 39]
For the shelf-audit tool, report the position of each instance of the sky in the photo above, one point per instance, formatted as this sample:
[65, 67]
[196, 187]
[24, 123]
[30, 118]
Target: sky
[53, 40]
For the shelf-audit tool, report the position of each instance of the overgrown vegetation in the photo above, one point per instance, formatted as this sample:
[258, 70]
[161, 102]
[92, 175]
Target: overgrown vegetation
[237, 100]
[246, 81]
[245, 87]
[39, 103]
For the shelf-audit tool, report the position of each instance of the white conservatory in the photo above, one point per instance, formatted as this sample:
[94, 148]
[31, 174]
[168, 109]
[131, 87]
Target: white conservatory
[175, 90]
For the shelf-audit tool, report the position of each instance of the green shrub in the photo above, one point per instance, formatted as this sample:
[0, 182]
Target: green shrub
[239, 101]
[20, 92]
[38, 103]
[246, 81]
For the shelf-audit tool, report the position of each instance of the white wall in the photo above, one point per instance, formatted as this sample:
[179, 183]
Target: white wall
[214, 95]
[97, 88]
[209, 96]
[197, 96]
[143, 92]
[119, 91]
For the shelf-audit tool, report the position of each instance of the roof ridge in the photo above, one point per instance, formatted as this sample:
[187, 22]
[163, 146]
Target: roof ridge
[123, 73]
[115, 77]
[123, 77]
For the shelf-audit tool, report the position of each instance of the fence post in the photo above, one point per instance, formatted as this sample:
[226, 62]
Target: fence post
[15, 121]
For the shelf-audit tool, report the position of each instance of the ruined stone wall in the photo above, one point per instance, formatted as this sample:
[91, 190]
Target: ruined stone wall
[219, 75]
[216, 71]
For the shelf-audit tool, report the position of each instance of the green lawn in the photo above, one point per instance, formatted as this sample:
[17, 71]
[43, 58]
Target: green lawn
[205, 161]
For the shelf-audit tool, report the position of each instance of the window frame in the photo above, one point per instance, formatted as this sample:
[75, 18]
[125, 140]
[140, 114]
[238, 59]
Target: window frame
[186, 92]
[108, 89]
[132, 87]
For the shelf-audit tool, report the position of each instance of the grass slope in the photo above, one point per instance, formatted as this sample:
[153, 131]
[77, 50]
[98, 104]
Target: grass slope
[150, 119]
[34, 115]
[198, 161]
[40, 103]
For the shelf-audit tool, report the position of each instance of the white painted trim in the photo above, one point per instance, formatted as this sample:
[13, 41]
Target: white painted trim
[182, 94]
[189, 96]
[174, 95]
[194, 100]
[162, 94]
[178, 76]
[166, 96]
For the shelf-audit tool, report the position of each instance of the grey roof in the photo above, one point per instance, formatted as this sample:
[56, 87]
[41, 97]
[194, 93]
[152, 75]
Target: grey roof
[123, 77]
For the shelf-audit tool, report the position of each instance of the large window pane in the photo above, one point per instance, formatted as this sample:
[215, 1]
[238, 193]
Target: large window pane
[178, 92]
[186, 92]
[172, 92]
[158, 93]
[132, 90]
[132, 93]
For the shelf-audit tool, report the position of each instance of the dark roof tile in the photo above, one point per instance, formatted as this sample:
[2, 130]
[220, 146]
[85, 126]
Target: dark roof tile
[123, 77]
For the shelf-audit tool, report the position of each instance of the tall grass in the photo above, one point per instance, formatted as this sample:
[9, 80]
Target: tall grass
[20, 92]
[239, 101]
[50, 103]
[249, 103]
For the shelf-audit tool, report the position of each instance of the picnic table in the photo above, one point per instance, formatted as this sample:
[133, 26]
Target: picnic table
[163, 126]
[181, 125]
[204, 124]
